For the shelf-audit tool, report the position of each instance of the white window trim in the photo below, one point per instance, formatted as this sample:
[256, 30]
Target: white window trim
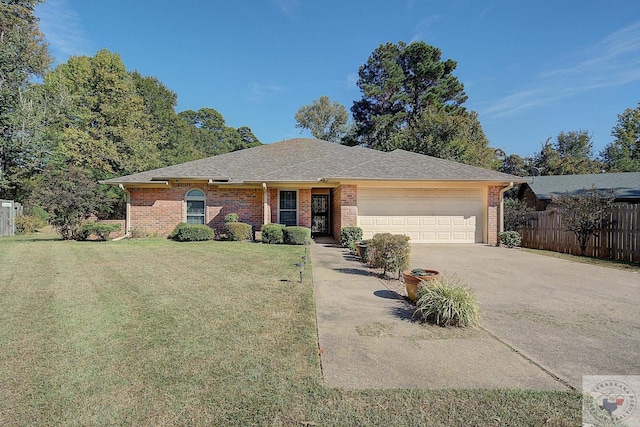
[287, 210]
[188, 198]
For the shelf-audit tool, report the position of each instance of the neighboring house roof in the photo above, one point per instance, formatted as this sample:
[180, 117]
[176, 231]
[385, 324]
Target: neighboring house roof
[311, 160]
[625, 184]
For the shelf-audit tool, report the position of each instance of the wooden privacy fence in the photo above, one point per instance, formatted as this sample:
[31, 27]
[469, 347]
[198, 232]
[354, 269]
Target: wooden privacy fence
[619, 241]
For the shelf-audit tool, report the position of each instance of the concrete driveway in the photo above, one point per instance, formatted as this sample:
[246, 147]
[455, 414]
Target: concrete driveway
[572, 319]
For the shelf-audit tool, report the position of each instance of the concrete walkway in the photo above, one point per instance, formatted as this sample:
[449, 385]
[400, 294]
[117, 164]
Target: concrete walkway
[368, 339]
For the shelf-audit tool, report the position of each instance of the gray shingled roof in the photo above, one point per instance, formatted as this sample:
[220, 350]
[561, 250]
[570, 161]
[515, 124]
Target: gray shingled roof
[309, 160]
[625, 184]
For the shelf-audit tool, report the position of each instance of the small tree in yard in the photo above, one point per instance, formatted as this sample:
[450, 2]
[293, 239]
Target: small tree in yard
[69, 197]
[583, 214]
[516, 213]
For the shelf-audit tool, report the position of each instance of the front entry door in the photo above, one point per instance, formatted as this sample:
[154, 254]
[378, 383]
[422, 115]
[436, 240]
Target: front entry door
[320, 214]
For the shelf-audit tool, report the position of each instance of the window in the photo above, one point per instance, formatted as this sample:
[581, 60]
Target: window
[288, 208]
[195, 207]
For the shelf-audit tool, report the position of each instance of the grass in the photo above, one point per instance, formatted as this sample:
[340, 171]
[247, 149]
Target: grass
[155, 332]
[600, 262]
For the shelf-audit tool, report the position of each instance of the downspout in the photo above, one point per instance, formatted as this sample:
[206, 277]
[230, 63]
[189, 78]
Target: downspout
[501, 224]
[266, 215]
[127, 215]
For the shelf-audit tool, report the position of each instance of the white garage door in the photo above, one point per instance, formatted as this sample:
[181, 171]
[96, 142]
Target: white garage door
[426, 216]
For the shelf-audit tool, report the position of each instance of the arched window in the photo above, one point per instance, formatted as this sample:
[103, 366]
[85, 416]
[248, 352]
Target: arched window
[195, 206]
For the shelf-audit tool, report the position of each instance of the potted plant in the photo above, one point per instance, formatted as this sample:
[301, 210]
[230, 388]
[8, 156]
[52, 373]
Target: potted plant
[412, 279]
[361, 250]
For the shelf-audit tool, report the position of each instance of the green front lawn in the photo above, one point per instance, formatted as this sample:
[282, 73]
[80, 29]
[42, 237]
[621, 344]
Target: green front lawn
[154, 332]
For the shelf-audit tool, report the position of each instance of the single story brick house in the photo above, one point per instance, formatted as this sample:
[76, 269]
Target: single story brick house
[537, 191]
[324, 186]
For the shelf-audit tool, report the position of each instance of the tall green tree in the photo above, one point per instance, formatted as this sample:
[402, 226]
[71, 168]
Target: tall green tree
[569, 154]
[399, 83]
[23, 55]
[170, 132]
[325, 119]
[623, 154]
[104, 127]
[211, 136]
[458, 137]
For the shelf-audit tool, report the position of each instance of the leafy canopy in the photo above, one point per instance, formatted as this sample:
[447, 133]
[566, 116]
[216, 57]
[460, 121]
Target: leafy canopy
[325, 119]
[623, 154]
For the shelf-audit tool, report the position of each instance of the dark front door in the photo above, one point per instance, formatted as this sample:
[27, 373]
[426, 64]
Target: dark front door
[320, 214]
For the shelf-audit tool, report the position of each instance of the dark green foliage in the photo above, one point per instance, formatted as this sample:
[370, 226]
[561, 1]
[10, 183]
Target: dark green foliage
[447, 302]
[27, 224]
[349, 236]
[325, 119]
[238, 231]
[69, 197]
[569, 154]
[100, 230]
[390, 252]
[584, 214]
[623, 154]
[232, 217]
[296, 235]
[272, 233]
[399, 83]
[191, 232]
[516, 213]
[510, 239]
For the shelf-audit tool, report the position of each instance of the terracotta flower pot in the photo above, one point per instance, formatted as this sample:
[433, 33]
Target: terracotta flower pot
[412, 282]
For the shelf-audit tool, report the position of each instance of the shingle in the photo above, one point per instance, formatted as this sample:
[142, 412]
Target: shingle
[625, 184]
[306, 159]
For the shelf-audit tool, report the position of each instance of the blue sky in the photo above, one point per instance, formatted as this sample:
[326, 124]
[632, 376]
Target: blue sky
[530, 68]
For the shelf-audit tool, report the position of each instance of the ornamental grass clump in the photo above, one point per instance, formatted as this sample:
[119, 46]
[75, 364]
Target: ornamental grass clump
[447, 302]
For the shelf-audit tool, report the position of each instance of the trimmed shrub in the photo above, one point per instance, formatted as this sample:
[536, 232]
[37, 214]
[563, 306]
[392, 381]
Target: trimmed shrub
[447, 302]
[232, 217]
[238, 231]
[349, 236]
[296, 235]
[191, 232]
[510, 239]
[98, 229]
[272, 233]
[27, 224]
[390, 252]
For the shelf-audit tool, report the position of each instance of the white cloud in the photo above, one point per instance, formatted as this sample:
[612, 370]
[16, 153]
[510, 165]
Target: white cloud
[260, 91]
[614, 61]
[423, 30]
[62, 29]
[288, 7]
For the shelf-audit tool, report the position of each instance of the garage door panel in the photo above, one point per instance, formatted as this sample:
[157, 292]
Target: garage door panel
[426, 216]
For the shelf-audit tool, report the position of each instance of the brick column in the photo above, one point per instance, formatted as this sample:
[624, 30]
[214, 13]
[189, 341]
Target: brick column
[304, 207]
[493, 210]
[345, 208]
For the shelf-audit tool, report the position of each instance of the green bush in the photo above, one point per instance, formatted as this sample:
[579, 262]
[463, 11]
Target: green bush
[390, 252]
[349, 236]
[232, 217]
[27, 224]
[272, 233]
[98, 229]
[191, 232]
[447, 302]
[237, 231]
[296, 235]
[510, 239]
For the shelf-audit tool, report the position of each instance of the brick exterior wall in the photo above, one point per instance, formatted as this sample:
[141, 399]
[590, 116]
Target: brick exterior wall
[159, 210]
[493, 210]
[344, 208]
[304, 207]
